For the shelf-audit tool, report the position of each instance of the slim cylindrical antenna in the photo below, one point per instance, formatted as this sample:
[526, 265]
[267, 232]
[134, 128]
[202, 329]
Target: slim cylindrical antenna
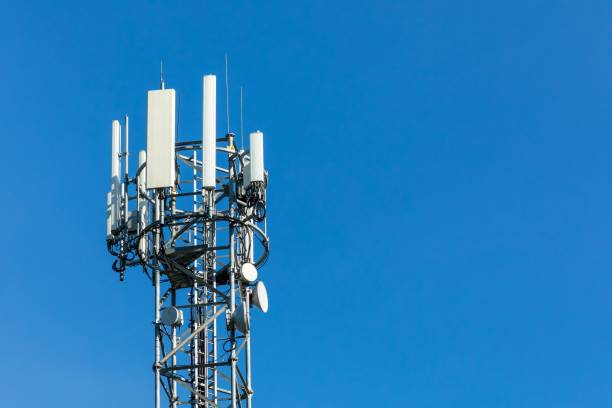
[115, 170]
[143, 213]
[116, 147]
[209, 132]
[241, 123]
[109, 215]
[161, 74]
[124, 185]
[227, 96]
[126, 152]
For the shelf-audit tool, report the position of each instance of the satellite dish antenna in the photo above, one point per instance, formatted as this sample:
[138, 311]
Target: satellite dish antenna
[248, 272]
[259, 297]
[172, 316]
[240, 319]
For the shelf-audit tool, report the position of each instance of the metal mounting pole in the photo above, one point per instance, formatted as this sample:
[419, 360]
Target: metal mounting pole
[173, 342]
[247, 349]
[157, 312]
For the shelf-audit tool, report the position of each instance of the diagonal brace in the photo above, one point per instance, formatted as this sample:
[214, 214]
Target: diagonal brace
[190, 337]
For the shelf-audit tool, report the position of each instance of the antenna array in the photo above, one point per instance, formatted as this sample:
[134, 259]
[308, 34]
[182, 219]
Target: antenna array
[193, 217]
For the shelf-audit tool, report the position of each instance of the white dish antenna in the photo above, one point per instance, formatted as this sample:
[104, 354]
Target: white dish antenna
[248, 272]
[259, 297]
[172, 316]
[241, 319]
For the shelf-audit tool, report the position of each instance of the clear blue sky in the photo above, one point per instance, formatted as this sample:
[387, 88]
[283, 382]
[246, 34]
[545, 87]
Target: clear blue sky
[440, 206]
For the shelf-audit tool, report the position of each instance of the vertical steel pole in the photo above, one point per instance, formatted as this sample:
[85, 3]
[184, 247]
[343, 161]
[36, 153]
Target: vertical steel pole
[173, 340]
[232, 232]
[158, 218]
[195, 311]
[210, 338]
[232, 309]
[157, 296]
[215, 376]
[195, 350]
[247, 349]
[174, 383]
[195, 291]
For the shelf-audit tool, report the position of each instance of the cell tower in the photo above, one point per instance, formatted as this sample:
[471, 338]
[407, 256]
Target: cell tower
[193, 217]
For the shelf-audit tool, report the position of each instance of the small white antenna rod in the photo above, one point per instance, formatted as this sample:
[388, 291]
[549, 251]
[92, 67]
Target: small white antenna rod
[227, 96]
[126, 123]
[161, 75]
[241, 122]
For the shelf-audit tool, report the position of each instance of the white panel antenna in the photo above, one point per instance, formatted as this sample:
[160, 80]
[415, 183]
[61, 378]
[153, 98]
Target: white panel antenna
[143, 208]
[115, 171]
[246, 174]
[161, 134]
[257, 157]
[209, 131]
[109, 210]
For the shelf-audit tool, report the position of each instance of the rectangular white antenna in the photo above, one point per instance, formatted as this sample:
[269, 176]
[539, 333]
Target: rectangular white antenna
[209, 131]
[257, 156]
[109, 211]
[161, 134]
[246, 173]
[143, 212]
[115, 170]
[126, 154]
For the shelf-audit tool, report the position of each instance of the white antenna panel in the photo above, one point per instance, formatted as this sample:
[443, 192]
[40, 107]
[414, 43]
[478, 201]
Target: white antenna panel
[161, 134]
[143, 211]
[246, 174]
[257, 157]
[115, 170]
[209, 131]
[109, 222]
[116, 146]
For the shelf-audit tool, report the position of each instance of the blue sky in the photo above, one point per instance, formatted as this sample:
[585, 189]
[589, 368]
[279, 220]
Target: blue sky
[439, 208]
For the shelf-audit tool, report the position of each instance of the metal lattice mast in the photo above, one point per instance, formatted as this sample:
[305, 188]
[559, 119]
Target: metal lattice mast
[195, 224]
